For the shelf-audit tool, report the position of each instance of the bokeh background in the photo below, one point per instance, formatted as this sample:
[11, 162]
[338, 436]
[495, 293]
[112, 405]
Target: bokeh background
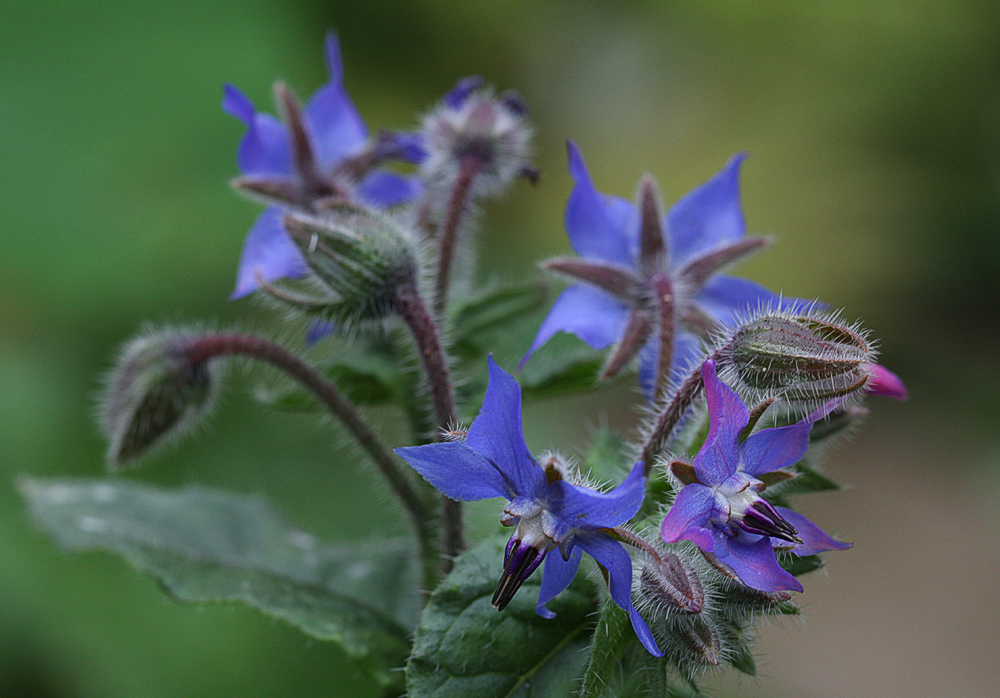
[874, 130]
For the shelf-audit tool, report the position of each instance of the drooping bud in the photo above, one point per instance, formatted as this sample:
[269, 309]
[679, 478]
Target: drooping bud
[474, 131]
[805, 359]
[155, 394]
[670, 585]
[363, 256]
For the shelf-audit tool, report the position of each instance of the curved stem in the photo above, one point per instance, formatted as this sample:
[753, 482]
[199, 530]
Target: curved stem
[263, 349]
[413, 309]
[457, 203]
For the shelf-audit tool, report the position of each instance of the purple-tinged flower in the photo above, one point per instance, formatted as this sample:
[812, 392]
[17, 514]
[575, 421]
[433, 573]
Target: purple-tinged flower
[549, 512]
[720, 508]
[885, 383]
[321, 150]
[476, 135]
[650, 279]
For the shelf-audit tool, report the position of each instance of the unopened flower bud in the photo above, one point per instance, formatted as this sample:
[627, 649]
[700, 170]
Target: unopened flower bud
[363, 256]
[805, 359]
[702, 642]
[477, 134]
[670, 585]
[155, 393]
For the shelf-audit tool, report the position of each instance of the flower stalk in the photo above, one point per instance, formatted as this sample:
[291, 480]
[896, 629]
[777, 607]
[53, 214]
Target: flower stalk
[420, 510]
[413, 309]
[458, 203]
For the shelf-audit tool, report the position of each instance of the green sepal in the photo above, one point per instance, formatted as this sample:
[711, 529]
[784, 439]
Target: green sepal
[464, 647]
[207, 546]
[741, 659]
[798, 565]
[806, 480]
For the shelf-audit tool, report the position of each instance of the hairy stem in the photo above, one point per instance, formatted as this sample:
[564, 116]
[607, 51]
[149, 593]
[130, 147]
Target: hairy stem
[262, 349]
[415, 314]
[457, 205]
[671, 416]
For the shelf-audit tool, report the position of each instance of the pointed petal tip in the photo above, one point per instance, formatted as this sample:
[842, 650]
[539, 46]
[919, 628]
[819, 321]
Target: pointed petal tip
[237, 104]
[334, 61]
[885, 383]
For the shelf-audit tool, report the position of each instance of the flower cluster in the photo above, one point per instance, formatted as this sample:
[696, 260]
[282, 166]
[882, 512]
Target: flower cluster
[651, 283]
[690, 554]
[551, 513]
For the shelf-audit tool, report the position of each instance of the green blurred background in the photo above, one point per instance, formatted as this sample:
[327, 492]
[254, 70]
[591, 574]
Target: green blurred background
[874, 129]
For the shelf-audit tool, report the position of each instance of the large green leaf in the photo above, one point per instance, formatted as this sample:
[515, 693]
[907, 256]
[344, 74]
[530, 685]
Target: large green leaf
[210, 546]
[464, 647]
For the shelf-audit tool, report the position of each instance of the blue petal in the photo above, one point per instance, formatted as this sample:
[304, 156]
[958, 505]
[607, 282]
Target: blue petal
[592, 315]
[728, 298]
[556, 576]
[336, 126]
[456, 96]
[612, 556]
[719, 457]
[458, 471]
[319, 329]
[582, 508]
[402, 145]
[264, 149]
[498, 436]
[599, 226]
[268, 251]
[687, 352]
[752, 559]
[688, 518]
[774, 449]
[385, 189]
[707, 216]
[814, 539]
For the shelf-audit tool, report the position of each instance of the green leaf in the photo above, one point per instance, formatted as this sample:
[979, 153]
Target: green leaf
[741, 659]
[494, 309]
[210, 546]
[364, 379]
[464, 647]
[607, 457]
[612, 638]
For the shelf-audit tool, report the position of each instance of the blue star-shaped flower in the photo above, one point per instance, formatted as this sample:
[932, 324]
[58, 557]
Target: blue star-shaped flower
[311, 154]
[721, 510]
[649, 278]
[549, 512]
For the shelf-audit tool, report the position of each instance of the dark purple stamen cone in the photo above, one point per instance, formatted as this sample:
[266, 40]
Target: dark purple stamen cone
[520, 561]
[762, 518]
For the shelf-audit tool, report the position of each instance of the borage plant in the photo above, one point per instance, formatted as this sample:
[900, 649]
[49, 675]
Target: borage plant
[686, 532]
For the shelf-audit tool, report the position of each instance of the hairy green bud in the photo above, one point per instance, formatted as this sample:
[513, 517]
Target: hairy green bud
[364, 257]
[154, 394]
[804, 359]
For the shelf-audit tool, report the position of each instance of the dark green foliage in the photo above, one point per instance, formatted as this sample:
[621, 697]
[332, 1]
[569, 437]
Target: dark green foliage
[464, 647]
[207, 546]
